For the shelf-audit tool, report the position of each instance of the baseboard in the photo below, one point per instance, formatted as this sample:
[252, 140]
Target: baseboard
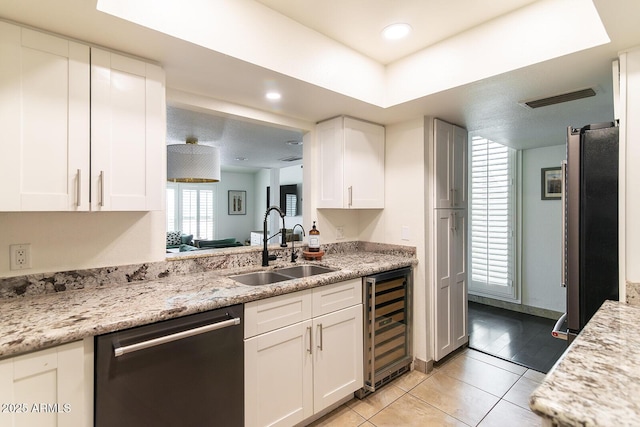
[422, 366]
[521, 308]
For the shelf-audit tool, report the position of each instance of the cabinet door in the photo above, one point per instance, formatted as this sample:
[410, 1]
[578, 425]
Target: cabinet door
[443, 293]
[276, 312]
[51, 387]
[450, 165]
[338, 348]
[443, 164]
[450, 281]
[279, 376]
[459, 308]
[330, 138]
[459, 167]
[363, 164]
[44, 122]
[329, 298]
[128, 167]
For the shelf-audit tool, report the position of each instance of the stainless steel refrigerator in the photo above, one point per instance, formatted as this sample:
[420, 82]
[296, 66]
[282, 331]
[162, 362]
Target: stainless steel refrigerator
[590, 224]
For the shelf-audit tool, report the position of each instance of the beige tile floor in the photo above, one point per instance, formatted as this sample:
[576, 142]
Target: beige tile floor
[468, 389]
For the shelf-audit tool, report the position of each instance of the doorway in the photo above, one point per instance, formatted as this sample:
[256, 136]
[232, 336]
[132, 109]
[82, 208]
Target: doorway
[521, 338]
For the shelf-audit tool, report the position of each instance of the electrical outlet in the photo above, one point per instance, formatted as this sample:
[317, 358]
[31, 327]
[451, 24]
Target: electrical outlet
[404, 233]
[339, 233]
[20, 256]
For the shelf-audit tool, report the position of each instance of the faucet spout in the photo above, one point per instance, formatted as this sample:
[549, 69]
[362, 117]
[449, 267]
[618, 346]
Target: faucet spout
[293, 250]
[265, 253]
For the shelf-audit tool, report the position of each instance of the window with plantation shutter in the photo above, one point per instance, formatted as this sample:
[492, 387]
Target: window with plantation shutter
[492, 212]
[190, 209]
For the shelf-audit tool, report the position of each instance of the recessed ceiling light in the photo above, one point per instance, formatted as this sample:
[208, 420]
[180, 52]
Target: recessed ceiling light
[241, 159]
[273, 96]
[396, 31]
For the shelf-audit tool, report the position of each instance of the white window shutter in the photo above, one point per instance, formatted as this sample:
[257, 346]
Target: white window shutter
[492, 243]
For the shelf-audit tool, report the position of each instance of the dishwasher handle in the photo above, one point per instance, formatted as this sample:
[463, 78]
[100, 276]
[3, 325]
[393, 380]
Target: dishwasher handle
[120, 351]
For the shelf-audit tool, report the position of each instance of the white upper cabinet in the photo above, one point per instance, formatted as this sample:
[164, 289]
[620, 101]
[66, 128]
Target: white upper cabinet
[450, 163]
[82, 128]
[44, 122]
[351, 164]
[127, 133]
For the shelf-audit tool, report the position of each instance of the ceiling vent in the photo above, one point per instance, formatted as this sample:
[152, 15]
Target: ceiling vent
[291, 159]
[559, 99]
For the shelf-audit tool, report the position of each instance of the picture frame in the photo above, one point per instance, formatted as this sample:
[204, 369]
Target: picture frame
[551, 183]
[237, 202]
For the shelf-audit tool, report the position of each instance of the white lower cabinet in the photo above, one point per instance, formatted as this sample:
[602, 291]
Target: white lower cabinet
[52, 387]
[295, 371]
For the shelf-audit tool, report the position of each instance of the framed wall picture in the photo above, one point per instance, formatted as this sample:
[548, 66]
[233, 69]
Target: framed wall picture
[551, 183]
[237, 202]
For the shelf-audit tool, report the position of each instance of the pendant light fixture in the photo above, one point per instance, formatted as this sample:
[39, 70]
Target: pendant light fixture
[191, 162]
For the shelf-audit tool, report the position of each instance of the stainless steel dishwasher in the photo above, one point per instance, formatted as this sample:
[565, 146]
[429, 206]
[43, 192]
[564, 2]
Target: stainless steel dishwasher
[182, 372]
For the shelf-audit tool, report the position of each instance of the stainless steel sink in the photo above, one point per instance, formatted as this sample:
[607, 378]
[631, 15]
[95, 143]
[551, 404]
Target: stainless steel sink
[260, 278]
[304, 270]
[288, 273]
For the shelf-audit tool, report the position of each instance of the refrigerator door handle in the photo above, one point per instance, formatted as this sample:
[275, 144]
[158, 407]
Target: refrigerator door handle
[563, 239]
[557, 332]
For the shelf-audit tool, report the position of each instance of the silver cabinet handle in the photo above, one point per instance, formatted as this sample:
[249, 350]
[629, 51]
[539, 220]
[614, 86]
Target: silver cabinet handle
[350, 196]
[119, 351]
[79, 189]
[101, 188]
[563, 237]
[310, 345]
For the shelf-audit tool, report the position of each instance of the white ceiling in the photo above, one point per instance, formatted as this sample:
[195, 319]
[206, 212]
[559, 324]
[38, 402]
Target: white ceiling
[488, 106]
[245, 146]
[357, 23]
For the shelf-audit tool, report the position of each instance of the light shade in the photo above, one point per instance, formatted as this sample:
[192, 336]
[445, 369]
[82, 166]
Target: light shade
[193, 163]
[396, 31]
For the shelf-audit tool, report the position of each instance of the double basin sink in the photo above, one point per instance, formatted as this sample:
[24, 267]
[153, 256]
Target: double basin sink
[280, 275]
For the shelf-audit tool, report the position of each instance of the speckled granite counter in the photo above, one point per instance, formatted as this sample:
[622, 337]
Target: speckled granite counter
[34, 322]
[597, 381]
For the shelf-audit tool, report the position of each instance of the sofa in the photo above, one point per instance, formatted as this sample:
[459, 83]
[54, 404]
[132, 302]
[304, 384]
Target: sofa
[180, 242]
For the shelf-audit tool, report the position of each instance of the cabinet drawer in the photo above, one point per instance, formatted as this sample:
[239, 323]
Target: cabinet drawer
[273, 313]
[336, 296]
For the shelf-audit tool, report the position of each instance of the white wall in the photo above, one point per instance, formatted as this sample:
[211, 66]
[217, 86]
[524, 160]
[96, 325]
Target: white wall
[289, 176]
[541, 233]
[630, 167]
[238, 226]
[62, 241]
[405, 189]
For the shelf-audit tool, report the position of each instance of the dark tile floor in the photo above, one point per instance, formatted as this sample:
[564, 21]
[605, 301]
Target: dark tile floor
[517, 337]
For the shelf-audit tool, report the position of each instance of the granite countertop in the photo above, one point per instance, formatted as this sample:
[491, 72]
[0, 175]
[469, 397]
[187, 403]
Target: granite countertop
[36, 322]
[597, 380]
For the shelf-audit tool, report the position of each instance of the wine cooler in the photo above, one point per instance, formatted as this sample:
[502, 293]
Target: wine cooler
[387, 326]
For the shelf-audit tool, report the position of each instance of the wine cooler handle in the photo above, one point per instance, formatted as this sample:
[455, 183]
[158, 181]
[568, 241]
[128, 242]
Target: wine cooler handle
[371, 290]
[563, 237]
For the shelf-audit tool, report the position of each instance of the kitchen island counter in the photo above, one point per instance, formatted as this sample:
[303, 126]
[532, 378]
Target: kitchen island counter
[35, 322]
[597, 380]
